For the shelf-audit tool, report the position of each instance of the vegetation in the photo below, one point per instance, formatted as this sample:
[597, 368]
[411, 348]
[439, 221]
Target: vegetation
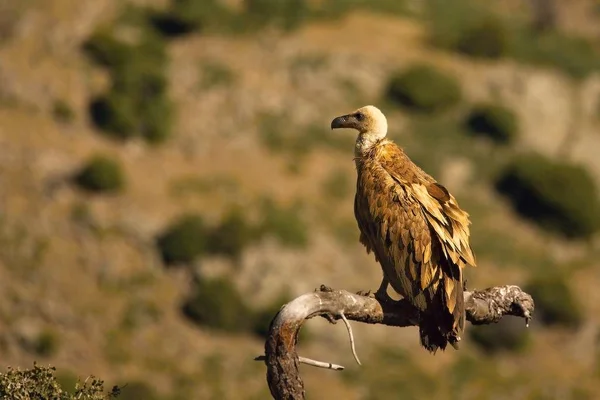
[40, 383]
[284, 223]
[473, 29]
[497, 122]
[137, 104]
[47, 343]
[558, 196]
[186, 16]
[62, 111]
[216, 303]
[510, 334]
[555, 303]
[485, 39]
[184, 240]
[231, 236]
[287, 15]
[423, 88]
[101, 174]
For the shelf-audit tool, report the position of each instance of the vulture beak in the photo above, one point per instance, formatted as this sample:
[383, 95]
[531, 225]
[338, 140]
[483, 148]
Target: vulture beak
[340, 122]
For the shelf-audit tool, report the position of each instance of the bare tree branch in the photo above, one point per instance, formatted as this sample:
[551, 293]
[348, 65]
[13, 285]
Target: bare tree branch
[482, 307]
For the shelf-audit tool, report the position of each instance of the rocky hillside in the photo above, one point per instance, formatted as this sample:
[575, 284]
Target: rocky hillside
[168, 179]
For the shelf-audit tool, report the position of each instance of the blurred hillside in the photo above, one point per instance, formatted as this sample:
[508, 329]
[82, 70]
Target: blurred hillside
[169, 179]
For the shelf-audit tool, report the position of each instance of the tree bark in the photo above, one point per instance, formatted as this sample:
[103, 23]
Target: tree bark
[482, 307]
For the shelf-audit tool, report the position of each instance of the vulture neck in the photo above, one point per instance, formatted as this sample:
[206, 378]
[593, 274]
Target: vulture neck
[367, 141]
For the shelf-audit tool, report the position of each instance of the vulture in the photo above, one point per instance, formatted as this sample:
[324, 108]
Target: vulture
[414, 227]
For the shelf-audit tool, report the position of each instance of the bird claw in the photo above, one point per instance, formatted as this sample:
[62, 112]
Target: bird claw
[367, 293]
[324, 288]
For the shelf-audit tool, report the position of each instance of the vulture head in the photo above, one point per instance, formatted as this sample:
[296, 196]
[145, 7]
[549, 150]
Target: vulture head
[369, 121]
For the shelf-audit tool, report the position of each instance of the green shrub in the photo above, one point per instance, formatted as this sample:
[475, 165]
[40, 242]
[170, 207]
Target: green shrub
[423, 88]
[62, 111]
[286, 15]
[496, 122]
[40, 383]
[137, 103]
[114, 114]
[101, 174]
[231, 236]
[103, 48]
[488, 38]
[184, 240]
[558, 196]
[46, 344]
[201, 15]
[555, 303]
[510, 334]
[217, 304]
[284, 223]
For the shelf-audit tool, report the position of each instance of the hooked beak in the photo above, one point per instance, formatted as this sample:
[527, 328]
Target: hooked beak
[339, 122]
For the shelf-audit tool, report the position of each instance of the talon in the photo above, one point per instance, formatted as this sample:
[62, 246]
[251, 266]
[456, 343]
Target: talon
[324, 288]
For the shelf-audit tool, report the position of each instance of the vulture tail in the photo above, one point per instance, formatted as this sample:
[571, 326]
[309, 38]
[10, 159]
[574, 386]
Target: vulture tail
[444, 319]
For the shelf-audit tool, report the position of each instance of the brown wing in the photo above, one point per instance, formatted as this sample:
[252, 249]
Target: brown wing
[394, 227]
[444, 215]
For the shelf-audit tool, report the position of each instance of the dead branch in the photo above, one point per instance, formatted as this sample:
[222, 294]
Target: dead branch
[482, 307]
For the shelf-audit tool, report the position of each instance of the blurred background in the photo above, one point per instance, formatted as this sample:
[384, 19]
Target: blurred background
[169, 179]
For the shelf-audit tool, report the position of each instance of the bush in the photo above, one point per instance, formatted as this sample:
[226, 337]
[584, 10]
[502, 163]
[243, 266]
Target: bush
[231, 236]
[286, 15]
[510, 334]
[137, 103]
[114, 114]
[101, 174]
[217, 304]
[183, 241]
[496, 122]
[46, 344]
[558, 196]
[103, 48]
[488, 38]
[40, 383]
[62, 111]
[424, 88]
[555, 304]
[285, 224]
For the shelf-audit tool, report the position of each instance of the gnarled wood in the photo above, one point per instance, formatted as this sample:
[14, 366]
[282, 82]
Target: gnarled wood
[482, 307]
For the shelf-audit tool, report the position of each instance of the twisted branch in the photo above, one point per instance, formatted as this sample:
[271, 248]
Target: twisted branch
[482, 307]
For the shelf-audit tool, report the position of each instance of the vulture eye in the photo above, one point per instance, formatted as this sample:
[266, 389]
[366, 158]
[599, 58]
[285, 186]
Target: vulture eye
[359, 116]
